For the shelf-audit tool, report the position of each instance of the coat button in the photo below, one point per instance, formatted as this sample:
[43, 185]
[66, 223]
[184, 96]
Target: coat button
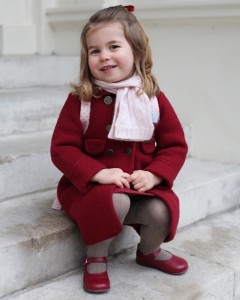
[128, 151]
[107, 100]
[110, 152]
[108, 127]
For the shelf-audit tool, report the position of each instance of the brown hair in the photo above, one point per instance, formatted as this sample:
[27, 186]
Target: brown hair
[136, 38]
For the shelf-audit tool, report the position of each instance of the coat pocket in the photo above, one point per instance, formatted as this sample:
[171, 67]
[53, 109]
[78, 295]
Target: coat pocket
[148, 146]
[94, 146]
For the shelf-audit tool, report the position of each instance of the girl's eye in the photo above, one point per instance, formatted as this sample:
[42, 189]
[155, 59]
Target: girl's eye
[114, 47]
[94, 52]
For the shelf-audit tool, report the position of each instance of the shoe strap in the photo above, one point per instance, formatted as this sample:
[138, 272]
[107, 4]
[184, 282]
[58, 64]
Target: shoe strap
[90, 260]
[152, 255]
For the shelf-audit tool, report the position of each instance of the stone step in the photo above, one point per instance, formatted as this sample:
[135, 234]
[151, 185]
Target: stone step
[210, 246]
[30, 109]
[38, 243]
[206, 188]
[42, 70]
[25, 165]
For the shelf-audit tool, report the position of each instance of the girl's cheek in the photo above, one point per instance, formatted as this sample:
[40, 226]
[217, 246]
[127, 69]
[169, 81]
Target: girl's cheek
[91, 65]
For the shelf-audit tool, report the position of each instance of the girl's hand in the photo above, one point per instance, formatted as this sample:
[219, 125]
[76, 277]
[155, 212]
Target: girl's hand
[143, 181]
[112, 176]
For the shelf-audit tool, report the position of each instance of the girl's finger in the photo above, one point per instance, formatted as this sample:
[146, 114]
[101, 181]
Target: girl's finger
[125, 183]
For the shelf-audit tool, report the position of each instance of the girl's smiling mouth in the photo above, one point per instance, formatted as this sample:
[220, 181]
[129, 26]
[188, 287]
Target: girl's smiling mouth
[106, 68]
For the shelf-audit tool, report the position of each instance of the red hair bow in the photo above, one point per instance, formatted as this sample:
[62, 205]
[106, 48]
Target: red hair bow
[130, 8]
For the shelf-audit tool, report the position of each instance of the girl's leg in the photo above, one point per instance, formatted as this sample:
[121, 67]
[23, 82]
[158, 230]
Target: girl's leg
[154, 217]
[121, 204]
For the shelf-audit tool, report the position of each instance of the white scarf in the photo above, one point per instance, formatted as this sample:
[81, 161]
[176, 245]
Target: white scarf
[133, 114]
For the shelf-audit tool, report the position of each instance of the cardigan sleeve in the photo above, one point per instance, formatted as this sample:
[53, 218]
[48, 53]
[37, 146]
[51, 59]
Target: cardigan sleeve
[67, 145]
[171, 146]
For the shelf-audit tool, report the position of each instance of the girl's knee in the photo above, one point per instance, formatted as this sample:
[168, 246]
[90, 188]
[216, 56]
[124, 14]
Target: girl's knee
[121, 203]
[157, 211]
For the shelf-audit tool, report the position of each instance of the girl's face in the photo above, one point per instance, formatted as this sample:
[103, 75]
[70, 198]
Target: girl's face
[110, 56]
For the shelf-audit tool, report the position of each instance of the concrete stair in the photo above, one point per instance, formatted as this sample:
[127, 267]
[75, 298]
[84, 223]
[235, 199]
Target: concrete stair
[37, 71]
[41, 249]
[210, 246]
[25, 165]
[31, 109]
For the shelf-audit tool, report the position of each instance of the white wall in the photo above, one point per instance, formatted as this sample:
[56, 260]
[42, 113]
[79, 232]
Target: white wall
[14, 11]
[23, 27]
[16, 30]
[198, 66]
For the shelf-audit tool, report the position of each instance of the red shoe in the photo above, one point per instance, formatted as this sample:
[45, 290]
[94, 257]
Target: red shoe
[174, 266]
[95, 283]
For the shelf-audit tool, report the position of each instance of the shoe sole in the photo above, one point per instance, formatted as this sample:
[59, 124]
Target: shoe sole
[96, 291]
[152, 267]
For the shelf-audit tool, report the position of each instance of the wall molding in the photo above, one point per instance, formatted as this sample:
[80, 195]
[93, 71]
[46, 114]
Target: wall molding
[152, 11]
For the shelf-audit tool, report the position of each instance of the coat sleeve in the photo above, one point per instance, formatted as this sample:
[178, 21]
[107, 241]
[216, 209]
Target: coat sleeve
[67, 145]
[171, 146]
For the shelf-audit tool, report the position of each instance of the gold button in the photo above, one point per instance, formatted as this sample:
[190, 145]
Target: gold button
[107, 100]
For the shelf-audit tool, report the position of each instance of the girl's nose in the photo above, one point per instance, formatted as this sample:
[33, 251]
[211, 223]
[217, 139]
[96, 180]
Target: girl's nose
[105, 55]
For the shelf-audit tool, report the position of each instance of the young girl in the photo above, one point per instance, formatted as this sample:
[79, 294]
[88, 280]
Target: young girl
[120, 146]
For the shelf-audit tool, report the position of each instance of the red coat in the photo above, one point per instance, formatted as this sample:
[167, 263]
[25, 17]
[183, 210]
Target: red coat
[79, 156]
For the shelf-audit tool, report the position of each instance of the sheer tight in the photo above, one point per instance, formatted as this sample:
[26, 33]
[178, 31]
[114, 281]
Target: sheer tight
[154, 217]
[151, 213]
[121, 203]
